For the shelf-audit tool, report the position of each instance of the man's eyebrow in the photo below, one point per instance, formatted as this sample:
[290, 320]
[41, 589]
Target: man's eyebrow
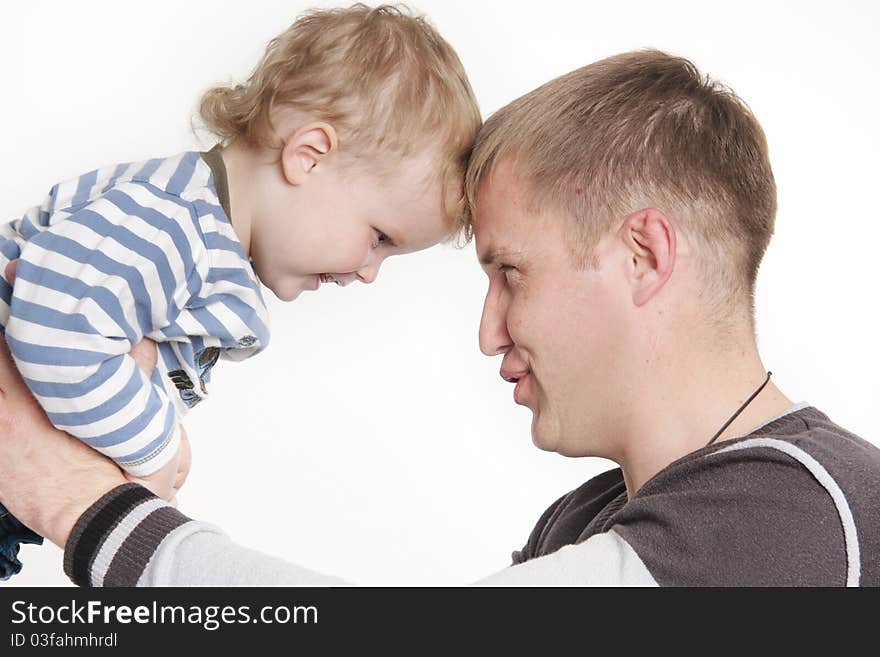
[493, 254]
[488, 257]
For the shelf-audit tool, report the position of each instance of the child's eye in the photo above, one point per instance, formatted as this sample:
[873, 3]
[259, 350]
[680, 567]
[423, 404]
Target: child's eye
[381, 238]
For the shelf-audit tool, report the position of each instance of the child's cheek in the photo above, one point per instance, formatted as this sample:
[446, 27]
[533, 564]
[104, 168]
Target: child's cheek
[355, 255]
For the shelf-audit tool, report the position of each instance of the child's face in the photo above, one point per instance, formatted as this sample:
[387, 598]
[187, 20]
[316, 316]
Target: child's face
[344, 223]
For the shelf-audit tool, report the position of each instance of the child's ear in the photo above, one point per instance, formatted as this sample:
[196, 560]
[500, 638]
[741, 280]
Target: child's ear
[307, 148]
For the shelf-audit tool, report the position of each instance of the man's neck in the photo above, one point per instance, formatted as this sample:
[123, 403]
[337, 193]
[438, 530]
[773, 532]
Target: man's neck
[703, 390]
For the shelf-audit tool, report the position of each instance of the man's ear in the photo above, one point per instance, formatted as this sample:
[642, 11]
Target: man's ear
[307, 148]
[650, 239]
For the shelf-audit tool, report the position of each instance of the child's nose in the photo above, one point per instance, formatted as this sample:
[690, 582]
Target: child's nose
[369, 273]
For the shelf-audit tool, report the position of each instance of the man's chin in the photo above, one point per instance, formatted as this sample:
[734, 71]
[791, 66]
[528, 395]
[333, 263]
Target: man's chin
[550, 438]
[542, 438]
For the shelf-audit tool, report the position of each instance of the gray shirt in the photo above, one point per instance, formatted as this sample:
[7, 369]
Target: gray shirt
[794, 502]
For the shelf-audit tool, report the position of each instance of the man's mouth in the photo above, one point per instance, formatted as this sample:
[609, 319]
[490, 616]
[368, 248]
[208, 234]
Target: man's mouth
[520, 395]
[521, 378]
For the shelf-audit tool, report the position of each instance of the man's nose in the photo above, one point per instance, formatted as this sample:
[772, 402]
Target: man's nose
[494, 338]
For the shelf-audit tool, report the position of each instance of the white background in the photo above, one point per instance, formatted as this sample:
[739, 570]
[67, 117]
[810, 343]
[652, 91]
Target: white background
[373, 440]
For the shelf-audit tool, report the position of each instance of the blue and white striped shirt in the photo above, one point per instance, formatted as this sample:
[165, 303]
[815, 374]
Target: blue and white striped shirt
[136, 250]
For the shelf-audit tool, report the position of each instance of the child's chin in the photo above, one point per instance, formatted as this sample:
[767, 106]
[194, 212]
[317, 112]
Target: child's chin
[286, 292]
[287, 295]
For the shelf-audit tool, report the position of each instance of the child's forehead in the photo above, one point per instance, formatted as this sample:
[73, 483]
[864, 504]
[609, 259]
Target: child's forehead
[417, 225]
[418, 169]
[414, 201]
[412, 180]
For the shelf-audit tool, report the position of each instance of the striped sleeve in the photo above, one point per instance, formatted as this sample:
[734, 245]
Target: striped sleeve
[104, 548]
[129, 537]
[87, 289]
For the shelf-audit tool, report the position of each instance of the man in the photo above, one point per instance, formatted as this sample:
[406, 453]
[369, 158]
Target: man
[621, 213]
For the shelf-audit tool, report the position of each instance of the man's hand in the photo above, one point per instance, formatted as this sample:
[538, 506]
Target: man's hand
[166, 481]
[11, 267]
[47, 478]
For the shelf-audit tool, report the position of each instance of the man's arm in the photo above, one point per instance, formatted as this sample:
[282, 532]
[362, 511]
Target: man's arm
[118, 533]
[131, 538]
[47, 478]
[80, 501]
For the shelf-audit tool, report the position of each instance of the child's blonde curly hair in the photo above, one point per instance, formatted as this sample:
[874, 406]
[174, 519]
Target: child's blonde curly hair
[382, 77]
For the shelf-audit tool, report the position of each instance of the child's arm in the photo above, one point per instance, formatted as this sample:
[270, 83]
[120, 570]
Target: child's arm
[88, 289]
[168, 479]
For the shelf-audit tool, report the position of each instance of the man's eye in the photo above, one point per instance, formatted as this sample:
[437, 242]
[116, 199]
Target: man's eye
[506, 270]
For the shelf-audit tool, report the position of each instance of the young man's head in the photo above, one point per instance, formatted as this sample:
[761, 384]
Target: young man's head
[621, 212]
[353, 135]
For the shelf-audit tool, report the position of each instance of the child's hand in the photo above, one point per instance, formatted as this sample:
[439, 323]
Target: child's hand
[168, 480]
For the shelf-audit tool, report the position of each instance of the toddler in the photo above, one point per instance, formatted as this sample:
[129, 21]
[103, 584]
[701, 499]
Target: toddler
[346, 145]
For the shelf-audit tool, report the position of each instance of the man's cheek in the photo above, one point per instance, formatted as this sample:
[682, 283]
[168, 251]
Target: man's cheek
[521, 320]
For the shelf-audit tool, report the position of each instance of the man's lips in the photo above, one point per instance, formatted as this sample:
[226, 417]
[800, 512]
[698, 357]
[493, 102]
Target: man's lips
[522, 378]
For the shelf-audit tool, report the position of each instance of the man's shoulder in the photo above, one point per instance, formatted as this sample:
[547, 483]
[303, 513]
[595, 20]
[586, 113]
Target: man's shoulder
[806, 439]
[788, 504]
[565, 521]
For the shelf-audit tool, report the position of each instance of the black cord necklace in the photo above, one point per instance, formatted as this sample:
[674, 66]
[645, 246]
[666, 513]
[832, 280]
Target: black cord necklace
[741, 409]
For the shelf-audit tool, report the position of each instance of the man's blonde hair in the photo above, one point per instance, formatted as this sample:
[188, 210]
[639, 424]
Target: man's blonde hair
[641, 129]
[382, 77]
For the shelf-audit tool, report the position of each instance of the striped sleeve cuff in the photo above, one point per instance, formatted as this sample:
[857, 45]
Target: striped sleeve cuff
[114, 540]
